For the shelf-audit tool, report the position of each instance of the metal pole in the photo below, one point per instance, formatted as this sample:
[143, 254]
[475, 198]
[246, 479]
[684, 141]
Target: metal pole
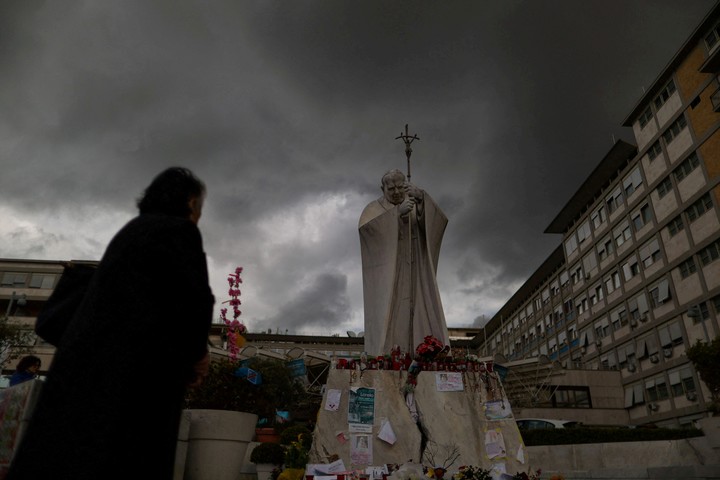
[407, 139]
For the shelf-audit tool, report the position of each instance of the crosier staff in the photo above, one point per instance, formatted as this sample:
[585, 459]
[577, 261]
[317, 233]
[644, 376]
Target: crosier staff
[407, 139]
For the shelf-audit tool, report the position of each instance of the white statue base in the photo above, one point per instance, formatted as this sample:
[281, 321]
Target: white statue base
[463, 419]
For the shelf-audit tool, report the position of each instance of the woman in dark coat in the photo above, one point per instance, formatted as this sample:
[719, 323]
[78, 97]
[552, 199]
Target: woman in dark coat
[111, 404]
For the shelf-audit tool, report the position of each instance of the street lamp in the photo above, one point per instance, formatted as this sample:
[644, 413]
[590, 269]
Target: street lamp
[695, 313]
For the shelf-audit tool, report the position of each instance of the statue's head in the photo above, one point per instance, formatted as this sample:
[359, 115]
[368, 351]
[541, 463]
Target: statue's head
[394, 186]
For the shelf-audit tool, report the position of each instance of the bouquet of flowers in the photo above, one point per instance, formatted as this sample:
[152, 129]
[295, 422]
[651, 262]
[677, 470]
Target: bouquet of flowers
[468, 472]
[430, 348]
[527, 476]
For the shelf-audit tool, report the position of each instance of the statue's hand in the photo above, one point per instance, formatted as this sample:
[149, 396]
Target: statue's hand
[406, 205]
[416, 193]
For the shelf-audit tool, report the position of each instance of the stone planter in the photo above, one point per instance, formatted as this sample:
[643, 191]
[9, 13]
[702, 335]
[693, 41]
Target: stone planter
[216, 444]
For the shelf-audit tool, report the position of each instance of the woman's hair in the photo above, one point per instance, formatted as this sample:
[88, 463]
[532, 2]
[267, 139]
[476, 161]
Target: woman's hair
[170, 192]
[27, 362]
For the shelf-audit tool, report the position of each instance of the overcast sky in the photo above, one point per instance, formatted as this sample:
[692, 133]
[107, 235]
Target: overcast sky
[289, 112]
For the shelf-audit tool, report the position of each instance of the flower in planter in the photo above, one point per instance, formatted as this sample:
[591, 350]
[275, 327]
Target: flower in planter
[236, 330]
[296, 457]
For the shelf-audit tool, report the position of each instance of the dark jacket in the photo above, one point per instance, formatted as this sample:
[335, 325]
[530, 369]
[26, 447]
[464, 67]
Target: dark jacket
[148, 308]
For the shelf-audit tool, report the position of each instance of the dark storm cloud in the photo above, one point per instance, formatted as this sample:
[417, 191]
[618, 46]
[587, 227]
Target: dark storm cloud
[321, 306]
[289, 112]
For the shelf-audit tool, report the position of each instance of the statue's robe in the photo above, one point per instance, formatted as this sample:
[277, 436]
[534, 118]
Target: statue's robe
[393, 284]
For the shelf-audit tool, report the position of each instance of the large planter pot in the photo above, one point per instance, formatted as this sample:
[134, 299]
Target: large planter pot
[217, 442]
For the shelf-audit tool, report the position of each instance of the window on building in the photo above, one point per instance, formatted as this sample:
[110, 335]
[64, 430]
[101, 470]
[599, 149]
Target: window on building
[626, 355]
[545, 295]
[630, 267]
[650, 252]
[598, 217]
[674, 129]
[645, 117]
[618, 318]
[664, 187]
[646, 346]
[710, 253]
[571, 397]
[700, 206]
[583, 231]
[632, 182]
[687, 166]
[42, 280]
[554, 288]
[716, 304]
[14, 279]
[660, 293]
[675, 225]
[711, 39]
[622, 233]
[654, 151]
[571, 244]
[656, 388]
[602, 328]
[589, 262]
[641, 217]
[612, 281]
[597, 292]
[614, 200]
[681, 381]
[605, 247]
[577, 274]
[670, 335]
[581, 304]
[704, 313]
[687, 267]
[564, 278]
[665, 94]
[638, 306]
[634, 395]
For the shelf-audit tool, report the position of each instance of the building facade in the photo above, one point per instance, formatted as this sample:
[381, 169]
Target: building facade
[636, 280]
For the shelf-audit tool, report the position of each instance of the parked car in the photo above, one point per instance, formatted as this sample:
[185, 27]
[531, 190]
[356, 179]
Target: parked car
[539, 423]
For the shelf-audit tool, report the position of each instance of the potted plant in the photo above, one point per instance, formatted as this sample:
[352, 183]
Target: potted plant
[225, 398]
[267, 456]
[296, 452]
[226, 407]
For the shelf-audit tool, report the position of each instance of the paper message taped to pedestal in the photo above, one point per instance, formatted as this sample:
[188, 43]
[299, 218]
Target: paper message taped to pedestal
[361, 405]
[386, 433]
[332, 399]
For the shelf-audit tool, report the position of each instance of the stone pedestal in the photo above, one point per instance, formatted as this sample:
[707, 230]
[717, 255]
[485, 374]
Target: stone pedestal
[449, 421]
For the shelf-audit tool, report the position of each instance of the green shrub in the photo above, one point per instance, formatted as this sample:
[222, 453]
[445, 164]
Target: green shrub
[222, 390]
[268, 452]
[293, 433]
